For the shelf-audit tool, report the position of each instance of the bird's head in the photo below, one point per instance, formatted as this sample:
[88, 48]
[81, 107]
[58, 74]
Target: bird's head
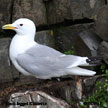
[22, 26]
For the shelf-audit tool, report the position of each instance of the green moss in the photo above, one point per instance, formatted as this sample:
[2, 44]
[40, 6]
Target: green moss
[100, 96]
[70, 52]
[70, 102]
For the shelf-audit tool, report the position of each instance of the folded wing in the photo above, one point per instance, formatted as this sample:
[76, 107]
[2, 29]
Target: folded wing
[45, 62]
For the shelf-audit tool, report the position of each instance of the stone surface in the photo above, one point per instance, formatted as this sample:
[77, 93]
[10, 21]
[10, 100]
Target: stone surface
[102, 23]
[103, 48]
[45, 38]
[93, 106]
[5, 8]
[61, 10]
[69, 90]
[85, 9]
[72, 91]
[87, 43]
[103, 51]
[89, 85]
[65, 36]
[58, 11]
[32, 9]
[37, 97]
[5, 69]
[24, 80]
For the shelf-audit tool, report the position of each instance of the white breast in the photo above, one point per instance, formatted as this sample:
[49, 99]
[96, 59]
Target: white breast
[19, 45]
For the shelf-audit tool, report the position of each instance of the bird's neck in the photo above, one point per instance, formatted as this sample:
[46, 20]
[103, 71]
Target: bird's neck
[20, 44]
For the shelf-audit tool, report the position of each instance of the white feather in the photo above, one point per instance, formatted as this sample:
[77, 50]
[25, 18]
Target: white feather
[80, 71]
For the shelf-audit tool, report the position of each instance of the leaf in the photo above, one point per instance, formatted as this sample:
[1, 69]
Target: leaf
[106, 71]
[102, 67]
[104, 104]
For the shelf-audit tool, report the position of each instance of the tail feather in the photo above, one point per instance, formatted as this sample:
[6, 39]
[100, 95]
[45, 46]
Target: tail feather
[84, 61]
[81, 71]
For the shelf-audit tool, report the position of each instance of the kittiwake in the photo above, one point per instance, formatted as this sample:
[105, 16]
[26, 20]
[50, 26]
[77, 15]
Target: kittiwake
[43, 62]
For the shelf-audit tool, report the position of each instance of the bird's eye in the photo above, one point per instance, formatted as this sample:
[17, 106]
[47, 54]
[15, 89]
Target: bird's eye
[21, 24]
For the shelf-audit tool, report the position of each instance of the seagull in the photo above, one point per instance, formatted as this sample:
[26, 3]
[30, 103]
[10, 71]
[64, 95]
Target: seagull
[43, 62]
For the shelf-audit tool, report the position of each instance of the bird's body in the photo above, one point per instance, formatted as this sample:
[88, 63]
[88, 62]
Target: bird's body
[43, 62]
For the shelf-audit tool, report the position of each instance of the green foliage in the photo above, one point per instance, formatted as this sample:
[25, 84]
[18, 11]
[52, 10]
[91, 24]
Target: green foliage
[70, 51]
[100, 96]
[103, 68]
[71, 101]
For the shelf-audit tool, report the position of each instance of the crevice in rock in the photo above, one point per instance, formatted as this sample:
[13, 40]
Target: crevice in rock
[65, 23]
[106, 2]
[7, 33]
[11, 10]
[46, 6]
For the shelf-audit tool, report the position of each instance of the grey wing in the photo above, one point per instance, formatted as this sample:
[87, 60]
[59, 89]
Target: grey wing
[43, 62]
[45, 51]
[42, 66]
[42, 51]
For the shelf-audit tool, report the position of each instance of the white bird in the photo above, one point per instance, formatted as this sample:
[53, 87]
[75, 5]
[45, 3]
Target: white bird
[41, 61]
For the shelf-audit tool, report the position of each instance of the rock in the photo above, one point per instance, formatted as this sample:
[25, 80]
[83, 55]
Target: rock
[45, 38]
[87, 43]
[103, 51]
[61, 10]
[89, 85]
[65, 36]
[5, 69]
[102, 23]
[68, 90]
[103, 48]
[71, 91]
[85, 9]
[24, 80]
[45, 100]
[93, 106]
[32, 9]
[5, 15]
[58, 11]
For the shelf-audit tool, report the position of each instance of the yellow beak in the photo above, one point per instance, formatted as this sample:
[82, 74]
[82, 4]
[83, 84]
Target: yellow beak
[9, 26]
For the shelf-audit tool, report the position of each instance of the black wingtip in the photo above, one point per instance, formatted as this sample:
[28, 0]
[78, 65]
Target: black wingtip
[95, 60]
